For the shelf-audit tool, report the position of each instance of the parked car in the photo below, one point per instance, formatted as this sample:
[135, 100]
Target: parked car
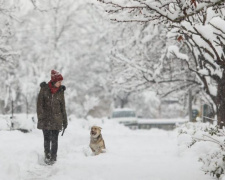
[125, 116]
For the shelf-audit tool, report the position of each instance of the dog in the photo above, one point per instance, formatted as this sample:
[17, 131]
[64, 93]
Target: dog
[97, 143]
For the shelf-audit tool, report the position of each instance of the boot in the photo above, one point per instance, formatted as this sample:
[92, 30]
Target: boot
[47, 156]
[53, 158]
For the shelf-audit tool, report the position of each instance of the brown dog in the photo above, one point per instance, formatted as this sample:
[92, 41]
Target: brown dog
[97, 143]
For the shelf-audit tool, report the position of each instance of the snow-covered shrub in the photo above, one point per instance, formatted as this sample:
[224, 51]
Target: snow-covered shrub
[209, 142]
[22, 122]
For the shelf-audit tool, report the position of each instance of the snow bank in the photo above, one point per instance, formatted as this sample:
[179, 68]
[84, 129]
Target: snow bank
[207, 141]
[163, 121]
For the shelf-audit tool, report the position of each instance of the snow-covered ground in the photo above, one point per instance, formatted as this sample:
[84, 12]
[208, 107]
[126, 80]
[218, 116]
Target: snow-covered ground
[131, 154]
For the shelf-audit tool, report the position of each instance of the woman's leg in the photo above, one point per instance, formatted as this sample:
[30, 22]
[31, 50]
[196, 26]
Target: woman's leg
[47, 140]
[54, 148]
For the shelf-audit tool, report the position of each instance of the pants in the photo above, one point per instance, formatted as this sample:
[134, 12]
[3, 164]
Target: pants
[51, 137]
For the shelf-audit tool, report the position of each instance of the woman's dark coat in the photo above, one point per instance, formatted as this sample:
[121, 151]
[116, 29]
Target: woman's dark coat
[51, 110]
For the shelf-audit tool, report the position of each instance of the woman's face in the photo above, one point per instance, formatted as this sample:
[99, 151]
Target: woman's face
[58, 84]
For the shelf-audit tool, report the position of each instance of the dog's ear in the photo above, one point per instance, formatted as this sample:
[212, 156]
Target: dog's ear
[99, 128]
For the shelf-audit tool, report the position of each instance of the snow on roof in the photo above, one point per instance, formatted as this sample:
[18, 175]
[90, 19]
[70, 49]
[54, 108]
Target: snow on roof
[123, 109]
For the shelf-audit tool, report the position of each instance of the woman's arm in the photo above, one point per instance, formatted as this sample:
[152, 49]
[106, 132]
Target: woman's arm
[40, 105]
[63, 108]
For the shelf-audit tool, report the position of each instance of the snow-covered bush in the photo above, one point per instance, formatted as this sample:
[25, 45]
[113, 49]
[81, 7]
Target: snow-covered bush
[22, 122]
[209, 142]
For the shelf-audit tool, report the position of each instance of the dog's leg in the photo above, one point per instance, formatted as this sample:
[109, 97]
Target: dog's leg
[103, 150]
[97, 152]
[92, 149]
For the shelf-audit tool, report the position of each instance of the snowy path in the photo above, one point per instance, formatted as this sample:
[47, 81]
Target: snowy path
[133, 155]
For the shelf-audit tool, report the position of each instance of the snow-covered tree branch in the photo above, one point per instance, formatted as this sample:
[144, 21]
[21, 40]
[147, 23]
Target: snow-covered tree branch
[197, 25]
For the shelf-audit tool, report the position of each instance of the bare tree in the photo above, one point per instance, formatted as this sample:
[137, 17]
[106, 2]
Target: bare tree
[8, 57]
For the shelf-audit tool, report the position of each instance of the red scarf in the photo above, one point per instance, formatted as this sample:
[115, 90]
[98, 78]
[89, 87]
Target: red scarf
[52, 87]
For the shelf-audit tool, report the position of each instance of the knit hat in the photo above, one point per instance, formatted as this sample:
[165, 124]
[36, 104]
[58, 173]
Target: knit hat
[56, 76]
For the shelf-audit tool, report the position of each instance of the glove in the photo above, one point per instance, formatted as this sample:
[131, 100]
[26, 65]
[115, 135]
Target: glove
[64, 125]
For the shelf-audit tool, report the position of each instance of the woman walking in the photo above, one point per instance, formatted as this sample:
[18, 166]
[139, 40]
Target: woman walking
[51, 114]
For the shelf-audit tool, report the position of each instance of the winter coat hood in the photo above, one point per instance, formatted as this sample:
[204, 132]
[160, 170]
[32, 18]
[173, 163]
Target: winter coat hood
[61, 88]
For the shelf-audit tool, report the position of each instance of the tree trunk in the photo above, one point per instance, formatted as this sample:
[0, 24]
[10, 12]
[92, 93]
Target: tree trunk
[190, 106]
[123, 103]
[220, 103]
[27, 107]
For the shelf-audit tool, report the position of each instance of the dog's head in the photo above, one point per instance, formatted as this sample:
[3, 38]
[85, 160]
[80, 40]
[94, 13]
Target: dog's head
[95, 131]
